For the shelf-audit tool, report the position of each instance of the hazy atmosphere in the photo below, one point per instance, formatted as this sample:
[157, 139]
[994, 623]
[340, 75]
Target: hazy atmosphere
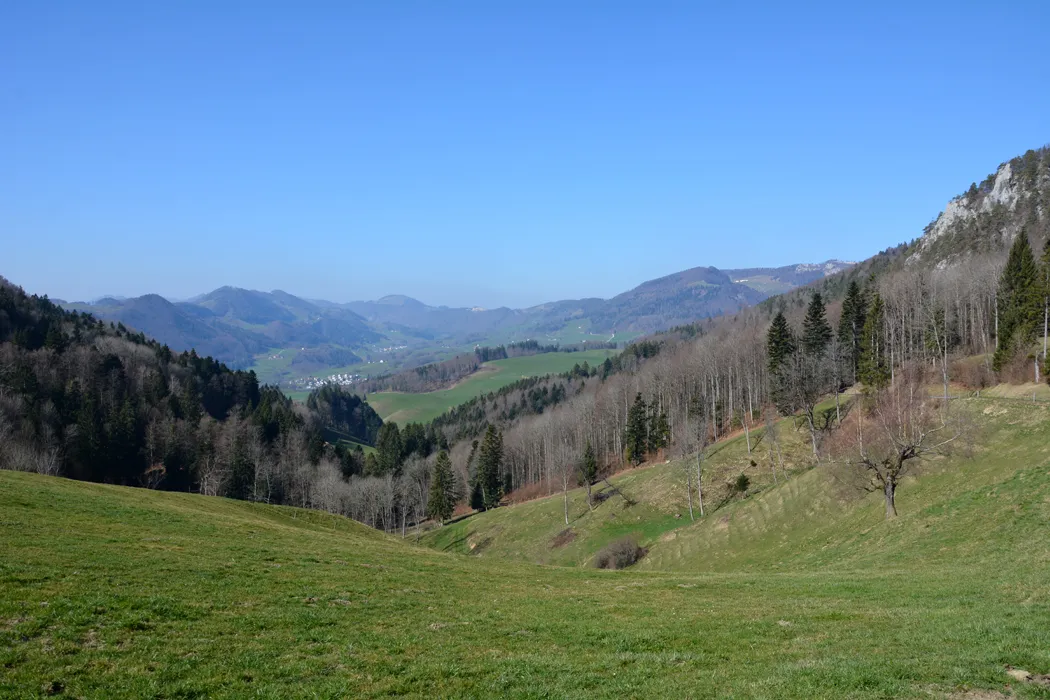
[490, 154]
[525, 350]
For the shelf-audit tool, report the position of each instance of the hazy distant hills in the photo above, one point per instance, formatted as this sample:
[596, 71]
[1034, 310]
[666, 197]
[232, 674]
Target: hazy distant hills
[408, 315]
[682, 297]
[235, 324]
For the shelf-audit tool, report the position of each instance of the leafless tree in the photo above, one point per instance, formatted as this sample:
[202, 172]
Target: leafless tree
[900, 426]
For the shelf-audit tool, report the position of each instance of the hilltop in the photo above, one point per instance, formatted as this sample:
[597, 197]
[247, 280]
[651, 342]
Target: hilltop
[237, 326]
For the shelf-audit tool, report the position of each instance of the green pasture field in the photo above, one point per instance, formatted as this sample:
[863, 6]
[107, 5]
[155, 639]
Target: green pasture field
[114, 592]
[405, 408]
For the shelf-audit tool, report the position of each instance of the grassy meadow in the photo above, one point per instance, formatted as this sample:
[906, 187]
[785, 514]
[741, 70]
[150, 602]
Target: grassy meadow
[421, 408]
[797, 591]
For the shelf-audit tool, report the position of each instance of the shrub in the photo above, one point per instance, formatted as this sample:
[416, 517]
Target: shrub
[742, 484]
[619, 554]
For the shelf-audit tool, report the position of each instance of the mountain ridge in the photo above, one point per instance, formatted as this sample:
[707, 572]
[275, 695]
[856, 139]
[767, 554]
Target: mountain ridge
[236, 324]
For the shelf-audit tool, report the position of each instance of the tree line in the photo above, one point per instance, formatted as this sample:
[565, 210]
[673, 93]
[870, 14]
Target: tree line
[91, 401]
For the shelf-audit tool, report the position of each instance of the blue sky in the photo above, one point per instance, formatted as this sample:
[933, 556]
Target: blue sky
[491, 153]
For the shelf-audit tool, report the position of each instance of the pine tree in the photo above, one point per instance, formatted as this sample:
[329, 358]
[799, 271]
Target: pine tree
[442, 500]
[242, 468]
[55, 339]
[636, 439]
[389, 449]
[90, 436]
[1044, 278]
[123, 443]
[371, 464]
[816, 331]
[1020, 301]
[589, 470]
[659, 430]
[190, 402]
[873, 369]
[490, 462]
[780, 342]
[851, 327]
[477, 501]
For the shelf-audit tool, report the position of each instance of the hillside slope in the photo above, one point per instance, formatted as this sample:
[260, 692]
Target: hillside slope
[116, 592]
[978, 507]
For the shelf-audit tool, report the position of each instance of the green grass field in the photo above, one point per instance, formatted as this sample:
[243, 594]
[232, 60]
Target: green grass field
[794, 592]
[660, 505]
[422, 408]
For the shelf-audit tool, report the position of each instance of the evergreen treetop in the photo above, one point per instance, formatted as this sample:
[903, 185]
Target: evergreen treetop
[780, 342]
[874, 369]
[1020, 300]
[442, 499]
[816, 331]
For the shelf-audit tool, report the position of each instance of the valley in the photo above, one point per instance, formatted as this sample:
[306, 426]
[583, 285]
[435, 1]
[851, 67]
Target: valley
[128, 592]
[822, 480]
[290, 341]
[404, 408]
[826, 479]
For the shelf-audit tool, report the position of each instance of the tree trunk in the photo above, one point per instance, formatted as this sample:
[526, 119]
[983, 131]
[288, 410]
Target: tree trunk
[590, 503]
[689, 492]
[565, 498]
[812, 433]
[1046, 320]
[890, 491]
[747, 433]
[699, 483]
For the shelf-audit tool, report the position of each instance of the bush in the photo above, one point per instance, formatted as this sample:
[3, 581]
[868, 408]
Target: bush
[742, 484]
[619, 554]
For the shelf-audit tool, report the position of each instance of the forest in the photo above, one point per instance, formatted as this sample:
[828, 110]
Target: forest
[969, 303]
[442, 375]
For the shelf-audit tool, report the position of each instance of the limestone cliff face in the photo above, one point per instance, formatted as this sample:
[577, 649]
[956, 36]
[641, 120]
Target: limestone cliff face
[986, 218]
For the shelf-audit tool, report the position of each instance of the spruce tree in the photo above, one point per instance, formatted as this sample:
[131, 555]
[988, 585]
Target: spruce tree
[123, 441]
[442, 500]
[659, 430]
[1044, 278]
[780, 342]
[589, 470]
[490, 461]
[389, 449]
[816, 331]
[89, 435]
[1019, 299]
[636, 440]
[874, 371]
[851, 327]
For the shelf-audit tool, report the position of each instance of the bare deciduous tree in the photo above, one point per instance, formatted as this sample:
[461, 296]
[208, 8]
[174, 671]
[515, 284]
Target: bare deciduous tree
[899, 427]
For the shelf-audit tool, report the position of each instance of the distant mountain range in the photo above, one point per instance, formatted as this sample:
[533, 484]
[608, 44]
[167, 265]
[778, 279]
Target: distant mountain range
[235, 324]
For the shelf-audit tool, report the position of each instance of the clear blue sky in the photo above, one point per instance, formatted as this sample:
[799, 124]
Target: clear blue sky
[491, 153]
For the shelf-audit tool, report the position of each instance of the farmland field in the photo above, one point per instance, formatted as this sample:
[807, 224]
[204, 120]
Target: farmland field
[419, 408]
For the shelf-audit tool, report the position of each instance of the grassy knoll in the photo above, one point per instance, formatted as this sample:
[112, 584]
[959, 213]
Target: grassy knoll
[421, 408]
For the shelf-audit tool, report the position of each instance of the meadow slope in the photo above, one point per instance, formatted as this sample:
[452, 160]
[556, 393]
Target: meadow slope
[116, 592]
[422, 408]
